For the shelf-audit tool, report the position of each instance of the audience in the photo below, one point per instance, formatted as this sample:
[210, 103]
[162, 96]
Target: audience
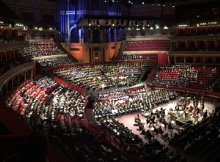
[162, 125]
[100, 77]
[53, 62]
[124, 102]
[58, 113]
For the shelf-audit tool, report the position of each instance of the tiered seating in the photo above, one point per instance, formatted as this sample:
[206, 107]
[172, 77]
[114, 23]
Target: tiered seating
[86, 77]
[121, 132]
[206, 76]
[17, 99]
[58, 114]
[161, 124]
[47, 47]
[46, 96]
[133, 144]
[149, 59]
[202, 140]
[53, 62]
[148, 45]
[199, 77]
[129, 101]
[66, 101]
[79, 144]
[39, 48]
[100, 77]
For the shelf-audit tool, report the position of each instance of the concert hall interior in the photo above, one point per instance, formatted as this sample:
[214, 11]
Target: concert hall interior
[109, 80]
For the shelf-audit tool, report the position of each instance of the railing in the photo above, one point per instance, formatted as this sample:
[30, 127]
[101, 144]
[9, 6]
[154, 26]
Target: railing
[71, 86]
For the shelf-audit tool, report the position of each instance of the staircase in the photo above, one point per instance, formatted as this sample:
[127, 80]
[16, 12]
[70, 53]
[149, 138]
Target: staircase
[120, 52]
[145, 73]
[152, 75]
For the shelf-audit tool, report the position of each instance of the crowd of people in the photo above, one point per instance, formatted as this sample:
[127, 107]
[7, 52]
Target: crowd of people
[120, 102]
[102, 76]
[38, 48]
[148, 60]
[46, 100]
[161, 127]
[152, 151]
[58, 112]
[201, 140]
[188, 76]
[131, 57]
[53, 62]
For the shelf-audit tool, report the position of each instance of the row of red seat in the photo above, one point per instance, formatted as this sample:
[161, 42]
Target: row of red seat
[201, 75]
[147, 45]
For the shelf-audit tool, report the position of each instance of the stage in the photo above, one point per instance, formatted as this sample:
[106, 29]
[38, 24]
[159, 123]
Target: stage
[129, 120]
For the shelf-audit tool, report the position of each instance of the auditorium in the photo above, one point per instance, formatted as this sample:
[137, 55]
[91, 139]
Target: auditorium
[109, 81]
